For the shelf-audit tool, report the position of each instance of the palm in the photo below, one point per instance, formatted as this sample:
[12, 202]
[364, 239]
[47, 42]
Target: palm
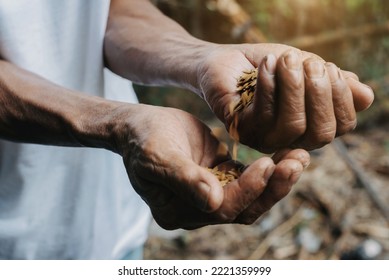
[167, 152]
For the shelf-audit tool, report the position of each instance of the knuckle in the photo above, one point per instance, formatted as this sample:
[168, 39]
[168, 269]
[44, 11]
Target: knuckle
[339, 86]
[314, 75]
[294, 85]
[322, 138]
[326, 138]
[296, 128]
[346, 127]
[285, 133]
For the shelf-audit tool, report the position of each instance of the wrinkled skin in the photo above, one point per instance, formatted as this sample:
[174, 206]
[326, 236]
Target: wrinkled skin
[164, 151]
[301, 101]
[165, 157]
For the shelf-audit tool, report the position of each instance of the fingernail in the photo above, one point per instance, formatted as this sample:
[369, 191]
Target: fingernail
[270, 64]
[268, 173]
[292, 60]
[305, 159]
[333, 72]
[295, 176]
[306, 164]
[314, 69]
[368, 87]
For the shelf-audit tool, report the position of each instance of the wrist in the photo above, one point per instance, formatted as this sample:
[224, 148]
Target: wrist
[171, 59]
[186, 65]
[104, 124]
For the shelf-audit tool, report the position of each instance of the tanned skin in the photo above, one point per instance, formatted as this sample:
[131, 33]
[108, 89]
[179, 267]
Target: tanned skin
[302, 103]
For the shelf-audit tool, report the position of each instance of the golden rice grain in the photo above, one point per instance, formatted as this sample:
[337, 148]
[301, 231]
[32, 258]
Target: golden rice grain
[225, 177]
[245, 87]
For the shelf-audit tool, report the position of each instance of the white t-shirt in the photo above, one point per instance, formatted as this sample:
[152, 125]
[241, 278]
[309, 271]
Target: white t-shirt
[59, 202]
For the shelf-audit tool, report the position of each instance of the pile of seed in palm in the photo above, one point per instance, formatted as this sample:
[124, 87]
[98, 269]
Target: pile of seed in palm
[245, 87]
[225, 177]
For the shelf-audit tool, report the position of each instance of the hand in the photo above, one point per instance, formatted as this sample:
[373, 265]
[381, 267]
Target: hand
[300, 101]
[165, 155]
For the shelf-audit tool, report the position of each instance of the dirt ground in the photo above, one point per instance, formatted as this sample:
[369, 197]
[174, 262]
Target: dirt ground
[330, 213]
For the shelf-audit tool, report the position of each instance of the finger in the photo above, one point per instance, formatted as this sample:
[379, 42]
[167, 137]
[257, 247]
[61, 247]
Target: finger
[285, 175]
[264, 97]
[291, 121]
[239, 194]
[321, 122]
[153, 194]
[343, 101]
[242, 197]
[309, 55]
[363, 94]
[187, 180]
[261, 115]
[179, 214]
[199, 185]
[298, 154]
[349, 74]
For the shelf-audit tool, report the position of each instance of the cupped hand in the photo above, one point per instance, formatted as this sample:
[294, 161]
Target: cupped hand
[166, 154]
[300, 100]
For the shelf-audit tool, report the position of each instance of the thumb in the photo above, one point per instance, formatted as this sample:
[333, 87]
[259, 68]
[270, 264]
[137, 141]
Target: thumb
[196, 185]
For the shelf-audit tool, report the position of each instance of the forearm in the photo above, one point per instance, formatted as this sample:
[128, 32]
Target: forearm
[143, 45]
[34, 110]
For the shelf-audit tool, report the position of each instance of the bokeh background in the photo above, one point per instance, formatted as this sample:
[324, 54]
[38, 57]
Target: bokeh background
[339, 209]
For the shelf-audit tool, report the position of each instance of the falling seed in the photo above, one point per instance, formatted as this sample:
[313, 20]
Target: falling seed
[245, 87]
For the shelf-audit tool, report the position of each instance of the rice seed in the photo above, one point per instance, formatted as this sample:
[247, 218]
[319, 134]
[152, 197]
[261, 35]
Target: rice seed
[225, 177]
[246, 86]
